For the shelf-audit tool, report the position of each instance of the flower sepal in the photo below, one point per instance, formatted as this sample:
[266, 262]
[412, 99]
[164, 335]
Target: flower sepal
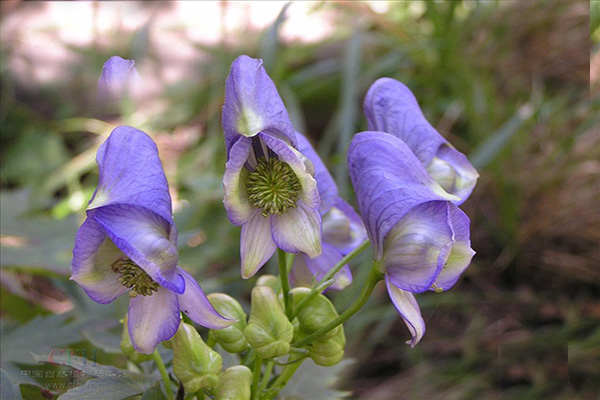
[235, 384]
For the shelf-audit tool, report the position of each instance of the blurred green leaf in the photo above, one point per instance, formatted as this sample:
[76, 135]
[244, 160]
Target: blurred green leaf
[312, 382]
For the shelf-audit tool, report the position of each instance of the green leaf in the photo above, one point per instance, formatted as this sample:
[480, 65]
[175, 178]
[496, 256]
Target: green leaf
[154, 393]
[103, 340]
[8, 388]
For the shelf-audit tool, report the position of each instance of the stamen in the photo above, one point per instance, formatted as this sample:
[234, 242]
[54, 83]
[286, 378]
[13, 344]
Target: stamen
[273, 186]
[437, 289]
[135, 278]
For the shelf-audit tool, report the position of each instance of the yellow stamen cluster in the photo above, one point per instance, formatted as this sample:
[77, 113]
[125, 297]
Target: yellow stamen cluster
[134, 278]
[273, 186]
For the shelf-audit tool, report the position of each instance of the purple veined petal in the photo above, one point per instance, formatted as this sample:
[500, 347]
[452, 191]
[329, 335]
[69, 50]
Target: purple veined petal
[328, 191]
[453, 171]
[409, 310]
[253, 105]
[343, 228]
[93, 256]
[461, 253]
[235, 199]
[131, 173]
[391, 107]
[301, 166]
[194, 303]
[152, 319]
[119, 78]
[389, 181]
[319, 266]
[146, 238]
[416, 249]
[256, 245]
[298, 230]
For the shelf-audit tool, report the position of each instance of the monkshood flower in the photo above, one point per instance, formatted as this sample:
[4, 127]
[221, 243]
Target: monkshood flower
[128, 244]
[343, 230]
[269, 186]
[119, 78]
[391, 107]
[420, 238]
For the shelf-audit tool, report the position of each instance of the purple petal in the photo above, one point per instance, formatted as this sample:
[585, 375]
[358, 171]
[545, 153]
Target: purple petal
[391, 107]
[298, 230]
[256, 245]
[389, 181]
[416, 249]
[253, 105]
[194, 304]
[301, 166]
[328, 191]
[343, 228]
[408, 308]
[152, 319]
[119, 77]
[93, 256]
[131, 173]
[146, 238]
[319, 266]
[461, 253]
[236, 200]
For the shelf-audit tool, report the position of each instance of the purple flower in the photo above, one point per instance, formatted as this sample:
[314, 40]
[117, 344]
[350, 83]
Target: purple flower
[128, 243]
[343, 230]
[419, 237]
[119, 78]
[391, 107]
[269, 186]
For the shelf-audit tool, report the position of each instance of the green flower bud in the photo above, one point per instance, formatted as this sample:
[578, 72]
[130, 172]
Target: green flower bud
[271, 281]
[328, 352]
[235, 384]
[268, 331]
[316, 314]
[232, 338]
[128, 349]
[195, 364]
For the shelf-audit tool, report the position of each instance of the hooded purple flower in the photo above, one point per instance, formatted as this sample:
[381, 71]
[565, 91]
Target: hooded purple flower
[128, 243]
[343, 230]
[391, 107]
[119, 78]
[269, 185]
[419, 237]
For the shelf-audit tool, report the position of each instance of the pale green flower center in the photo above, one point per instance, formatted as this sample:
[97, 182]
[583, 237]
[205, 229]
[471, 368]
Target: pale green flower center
[133, 277]
[273, 186]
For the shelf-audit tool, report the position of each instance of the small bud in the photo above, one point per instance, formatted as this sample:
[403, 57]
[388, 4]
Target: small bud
[195, 364]
[128, 349]
[328, 352]
[271, 281]
[235, 384]
[268, 331]
[316, 314]
[232, 338]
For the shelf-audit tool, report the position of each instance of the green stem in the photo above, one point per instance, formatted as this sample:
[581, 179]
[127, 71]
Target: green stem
[266, 376]
[284, 378]
[163, 373]
[322, 284]
[374, 276]
[256, 376]
[200, 395]
[285, 283]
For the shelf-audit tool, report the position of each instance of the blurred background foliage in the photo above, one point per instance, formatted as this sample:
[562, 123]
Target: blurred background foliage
[514, 85]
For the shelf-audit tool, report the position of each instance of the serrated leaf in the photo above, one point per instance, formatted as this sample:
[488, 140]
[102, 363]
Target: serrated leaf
[312, 382]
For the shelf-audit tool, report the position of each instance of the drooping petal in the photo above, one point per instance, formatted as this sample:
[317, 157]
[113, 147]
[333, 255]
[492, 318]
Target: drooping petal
[416, 249]
[328, 191]
[146, 238]
[461, 253]
[298, 230]
[119, 78]
[256, 244]
[236, 200]
[152, 319]
[131, 173]
[93, 256]
[343, 228]
[194, 303]
[319, 266]
[408, 308]
[391, 107]
[301, 166]
[253, 105]
[389, 181]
